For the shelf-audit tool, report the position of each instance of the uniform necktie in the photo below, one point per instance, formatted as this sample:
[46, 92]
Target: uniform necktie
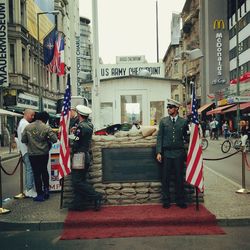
[173, 121]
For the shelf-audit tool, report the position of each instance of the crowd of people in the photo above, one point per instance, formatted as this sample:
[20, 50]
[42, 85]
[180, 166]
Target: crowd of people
[213, 128]
[35, 138]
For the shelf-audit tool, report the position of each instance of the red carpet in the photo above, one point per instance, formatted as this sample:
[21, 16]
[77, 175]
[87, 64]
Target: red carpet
[139, 220]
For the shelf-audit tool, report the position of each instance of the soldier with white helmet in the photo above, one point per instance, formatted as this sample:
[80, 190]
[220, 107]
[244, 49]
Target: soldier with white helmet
[170, 150]
[81, 147]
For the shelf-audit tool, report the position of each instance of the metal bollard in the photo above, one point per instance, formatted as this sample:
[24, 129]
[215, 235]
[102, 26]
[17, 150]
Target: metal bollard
[2, 210]
[21, 195]
[243, 190]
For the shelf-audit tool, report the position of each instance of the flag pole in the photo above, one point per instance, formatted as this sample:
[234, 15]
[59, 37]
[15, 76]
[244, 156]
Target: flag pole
[64, 155]
[62, 190]
[197, 198]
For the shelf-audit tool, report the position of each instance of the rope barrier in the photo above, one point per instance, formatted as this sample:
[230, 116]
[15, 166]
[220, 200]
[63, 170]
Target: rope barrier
[222, 158]
[1, 167]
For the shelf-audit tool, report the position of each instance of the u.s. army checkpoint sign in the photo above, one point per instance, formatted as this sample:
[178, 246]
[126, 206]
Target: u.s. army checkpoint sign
[3, 44]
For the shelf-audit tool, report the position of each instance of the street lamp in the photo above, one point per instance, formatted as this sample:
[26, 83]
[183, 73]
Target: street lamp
[40, 104]
[190, 55]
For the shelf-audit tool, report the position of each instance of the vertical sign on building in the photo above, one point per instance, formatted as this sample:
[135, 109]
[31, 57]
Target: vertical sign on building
[219, 26]
[78, 64]
[3, 45]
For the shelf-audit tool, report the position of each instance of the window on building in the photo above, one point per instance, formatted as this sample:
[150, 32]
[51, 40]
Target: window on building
[23, 14]
[176, 70]
[57, 84]
[11, 11]
[106, 114]
[23, 61]
[131, 109]
[177, 98]
[11, 58]
[31, 74]
[156, 112]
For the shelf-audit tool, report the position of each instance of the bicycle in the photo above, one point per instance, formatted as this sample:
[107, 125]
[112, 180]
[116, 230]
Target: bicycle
[232, 141]
[204, 143]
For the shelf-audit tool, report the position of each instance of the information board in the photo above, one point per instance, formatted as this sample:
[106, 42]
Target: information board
[130, 164]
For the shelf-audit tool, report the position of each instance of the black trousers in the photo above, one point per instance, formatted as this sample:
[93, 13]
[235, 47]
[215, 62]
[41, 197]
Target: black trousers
[175, 166]
[83, 191]
[39, 165]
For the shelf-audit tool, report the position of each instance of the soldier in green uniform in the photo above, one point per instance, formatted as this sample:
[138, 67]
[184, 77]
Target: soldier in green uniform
[83, 191]
[171, 151]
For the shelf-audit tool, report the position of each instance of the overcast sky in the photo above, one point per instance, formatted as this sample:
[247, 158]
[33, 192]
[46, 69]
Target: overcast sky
[128, 27]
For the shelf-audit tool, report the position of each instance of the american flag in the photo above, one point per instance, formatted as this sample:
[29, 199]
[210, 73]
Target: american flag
[57, 64]
[194, 173]
[64, 155]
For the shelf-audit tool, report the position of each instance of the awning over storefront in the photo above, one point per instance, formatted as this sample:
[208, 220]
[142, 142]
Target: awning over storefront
[9, 113]
[204, 107]
[219, 110]
[243, 106]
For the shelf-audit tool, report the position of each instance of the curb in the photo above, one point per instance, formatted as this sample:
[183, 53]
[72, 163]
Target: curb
[58, 225]
[8, 157]
[240, 221]
[31, 226]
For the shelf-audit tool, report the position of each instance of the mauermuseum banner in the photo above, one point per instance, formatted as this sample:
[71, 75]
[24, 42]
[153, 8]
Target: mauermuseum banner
[3, 44]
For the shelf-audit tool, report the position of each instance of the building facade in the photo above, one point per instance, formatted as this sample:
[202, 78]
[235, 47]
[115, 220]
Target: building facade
[23, 62]
[239, 40]
[214, 42]
[28, 77]
[84, 57]
[85, 49]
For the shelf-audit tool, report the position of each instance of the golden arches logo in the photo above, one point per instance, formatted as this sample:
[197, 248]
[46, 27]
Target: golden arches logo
[219, 24]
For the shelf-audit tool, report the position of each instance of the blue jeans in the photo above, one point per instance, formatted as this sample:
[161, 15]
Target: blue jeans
[29, 177]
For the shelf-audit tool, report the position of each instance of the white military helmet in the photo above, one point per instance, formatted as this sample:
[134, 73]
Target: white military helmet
[83, 110]
[173, 102]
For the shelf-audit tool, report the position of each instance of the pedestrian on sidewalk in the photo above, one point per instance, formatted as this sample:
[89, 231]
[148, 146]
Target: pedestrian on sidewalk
[83, 191]
[39, 137]
[28, 117]
[225, 130]
[171, 151]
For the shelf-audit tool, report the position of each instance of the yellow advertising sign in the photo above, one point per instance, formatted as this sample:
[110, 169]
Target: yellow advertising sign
[222, 102]
[219, 24]
[45, 25]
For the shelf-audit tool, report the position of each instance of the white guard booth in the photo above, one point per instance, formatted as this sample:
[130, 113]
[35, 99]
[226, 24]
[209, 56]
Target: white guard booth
[133, 99]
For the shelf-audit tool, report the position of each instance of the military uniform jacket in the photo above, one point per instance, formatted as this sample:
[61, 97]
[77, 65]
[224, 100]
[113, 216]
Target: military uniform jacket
[83, 134]
[172, 137]
[38, 137]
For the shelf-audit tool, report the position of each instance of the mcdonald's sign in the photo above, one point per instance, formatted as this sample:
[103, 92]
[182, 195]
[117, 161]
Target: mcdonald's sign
[219, 24]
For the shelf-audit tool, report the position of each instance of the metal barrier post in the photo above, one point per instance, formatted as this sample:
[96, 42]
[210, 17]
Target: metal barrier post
[2, 210]
[21, 195]
[243, 190]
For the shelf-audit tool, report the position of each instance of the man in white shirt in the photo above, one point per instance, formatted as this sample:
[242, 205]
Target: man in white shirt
[29, 178]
